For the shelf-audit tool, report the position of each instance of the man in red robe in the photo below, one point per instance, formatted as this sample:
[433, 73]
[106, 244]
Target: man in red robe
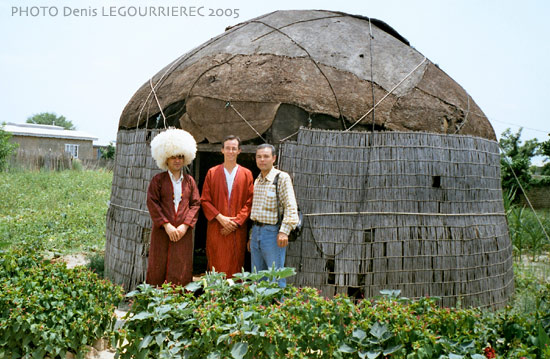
[173, 202]
[226, 201]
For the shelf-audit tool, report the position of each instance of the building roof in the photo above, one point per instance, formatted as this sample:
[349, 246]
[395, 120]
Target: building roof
[35, 130]
[311, 68]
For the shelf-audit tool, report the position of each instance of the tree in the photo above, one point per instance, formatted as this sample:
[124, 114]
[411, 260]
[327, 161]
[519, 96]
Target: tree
[545, 151]
[6, 147]
[48, 118]
[515, 159]
[108, 152]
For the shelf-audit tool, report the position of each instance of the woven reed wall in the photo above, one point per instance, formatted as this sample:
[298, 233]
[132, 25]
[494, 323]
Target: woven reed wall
[431, 219]
[128, 221]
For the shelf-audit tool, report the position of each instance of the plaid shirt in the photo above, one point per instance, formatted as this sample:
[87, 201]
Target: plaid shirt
[264, 201]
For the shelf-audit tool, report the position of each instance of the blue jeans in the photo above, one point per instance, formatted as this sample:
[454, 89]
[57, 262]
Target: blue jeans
[264, 251]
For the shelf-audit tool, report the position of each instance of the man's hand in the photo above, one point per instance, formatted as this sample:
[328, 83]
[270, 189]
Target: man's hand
[172, 232]
[228, 224]
[282, 239]
[182, 229]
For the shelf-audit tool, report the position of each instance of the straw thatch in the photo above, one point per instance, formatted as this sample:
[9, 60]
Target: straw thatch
[128, 221]
[418, 212]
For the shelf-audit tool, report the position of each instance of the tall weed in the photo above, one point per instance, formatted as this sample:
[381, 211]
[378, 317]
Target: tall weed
[528, 229]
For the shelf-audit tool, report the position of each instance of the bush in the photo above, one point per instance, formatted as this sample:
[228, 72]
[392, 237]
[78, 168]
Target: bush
[49, 310]
[76, 164]
[97, 264]
[528, 230]
[6, 148]
[219, 318]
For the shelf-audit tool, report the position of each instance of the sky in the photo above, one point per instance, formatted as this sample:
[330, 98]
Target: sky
[84, 59]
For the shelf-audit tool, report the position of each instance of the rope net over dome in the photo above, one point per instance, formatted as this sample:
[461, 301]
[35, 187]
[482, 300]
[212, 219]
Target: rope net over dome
[316, 68]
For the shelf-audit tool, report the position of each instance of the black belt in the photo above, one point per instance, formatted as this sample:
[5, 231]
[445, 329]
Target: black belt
[260, 224]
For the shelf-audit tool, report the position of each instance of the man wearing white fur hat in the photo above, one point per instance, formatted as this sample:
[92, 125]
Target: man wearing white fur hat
[173, 201]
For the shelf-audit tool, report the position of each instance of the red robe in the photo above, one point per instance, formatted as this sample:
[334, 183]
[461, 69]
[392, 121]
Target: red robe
[226, 253]
[171, 261]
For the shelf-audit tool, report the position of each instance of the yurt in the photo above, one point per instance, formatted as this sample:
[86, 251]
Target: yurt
[395, 166]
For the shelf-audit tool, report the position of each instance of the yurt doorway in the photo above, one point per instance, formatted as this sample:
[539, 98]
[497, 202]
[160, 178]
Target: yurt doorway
[209, 156]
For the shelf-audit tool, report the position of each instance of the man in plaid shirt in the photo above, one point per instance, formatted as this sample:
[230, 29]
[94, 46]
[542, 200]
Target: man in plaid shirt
[268, 239]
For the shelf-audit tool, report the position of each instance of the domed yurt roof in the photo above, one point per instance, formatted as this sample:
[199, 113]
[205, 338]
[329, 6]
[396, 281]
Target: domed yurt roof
[321, 69]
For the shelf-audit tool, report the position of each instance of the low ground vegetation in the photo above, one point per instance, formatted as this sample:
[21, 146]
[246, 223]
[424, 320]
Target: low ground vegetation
[219, 318]
[49, 310]
[58, 212]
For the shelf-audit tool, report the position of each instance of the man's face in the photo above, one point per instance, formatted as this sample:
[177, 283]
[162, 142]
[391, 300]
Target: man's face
[230, 150]
[265, 159]
[175, 163]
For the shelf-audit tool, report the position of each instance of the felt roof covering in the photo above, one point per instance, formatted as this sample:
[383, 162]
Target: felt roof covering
[324, 64]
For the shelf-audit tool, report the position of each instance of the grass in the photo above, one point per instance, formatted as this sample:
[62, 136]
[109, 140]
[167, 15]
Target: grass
[61, 212]
[528, 231]
[529, 278]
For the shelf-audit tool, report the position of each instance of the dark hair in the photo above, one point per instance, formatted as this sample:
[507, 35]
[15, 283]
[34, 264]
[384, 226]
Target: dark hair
[266, 145]
[231, 137]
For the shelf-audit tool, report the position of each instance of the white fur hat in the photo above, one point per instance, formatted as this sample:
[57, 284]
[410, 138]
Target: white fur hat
[173, 142]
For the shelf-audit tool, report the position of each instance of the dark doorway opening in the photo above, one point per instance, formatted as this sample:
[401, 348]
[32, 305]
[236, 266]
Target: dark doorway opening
[204, 161]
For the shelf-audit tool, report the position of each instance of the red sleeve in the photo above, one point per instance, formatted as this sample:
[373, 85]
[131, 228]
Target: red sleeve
[244, 213]
[194, 203]
[208, 207]
[153, 202]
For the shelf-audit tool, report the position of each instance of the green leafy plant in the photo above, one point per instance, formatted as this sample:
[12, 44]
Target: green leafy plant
[527, 231]
[97, 264]
[108, 152]
[6, 148]
[243, 318]
[516, 160]
[49, 310]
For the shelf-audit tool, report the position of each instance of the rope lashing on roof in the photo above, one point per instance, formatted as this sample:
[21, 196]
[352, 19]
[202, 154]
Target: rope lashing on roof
[314, 63]
[309, 122]
[465, 116]
[158, 102]
[386, 95]
[287, 137]
[229, 104]
[174, 66]
[371, 70]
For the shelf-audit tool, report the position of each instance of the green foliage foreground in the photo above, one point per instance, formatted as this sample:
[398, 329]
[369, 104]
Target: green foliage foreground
[49, 310]
[243, 318]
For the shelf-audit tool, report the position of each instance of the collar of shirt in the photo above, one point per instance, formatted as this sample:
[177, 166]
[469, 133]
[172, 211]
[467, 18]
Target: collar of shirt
[270, 176]
[174, 179]
[229, 179]
[232, 173]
